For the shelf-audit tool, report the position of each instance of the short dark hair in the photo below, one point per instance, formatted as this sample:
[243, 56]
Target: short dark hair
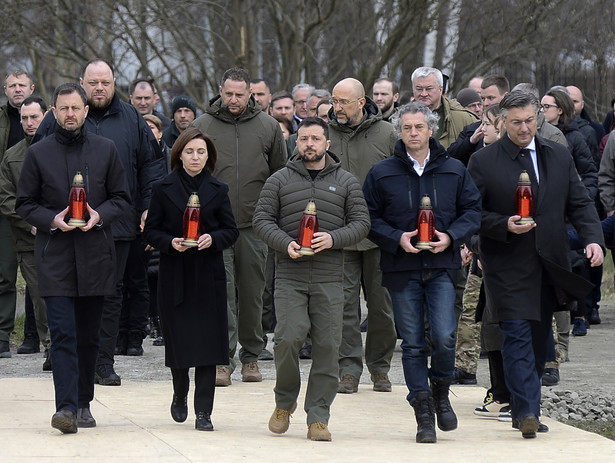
[517, 99]
[310, 121]
[138, 80]
[258, 80]
[280, 95]
[394, 85]
[97, 60]
[67, 89]
[192, 133]
[565, 103]
[35, 99]
[499, 81]
[236, 74]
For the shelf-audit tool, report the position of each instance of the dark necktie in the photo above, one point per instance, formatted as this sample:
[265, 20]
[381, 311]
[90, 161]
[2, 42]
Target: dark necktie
[526, 162]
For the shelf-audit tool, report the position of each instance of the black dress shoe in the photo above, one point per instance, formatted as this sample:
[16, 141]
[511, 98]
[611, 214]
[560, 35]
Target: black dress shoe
[203, 422]
[179, 408]
[65, 421]
[529, 425]
[542, 428]
[85, 418]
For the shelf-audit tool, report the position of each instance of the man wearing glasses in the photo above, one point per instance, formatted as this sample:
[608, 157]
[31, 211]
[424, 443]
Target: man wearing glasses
[360, 139]
[427, 86]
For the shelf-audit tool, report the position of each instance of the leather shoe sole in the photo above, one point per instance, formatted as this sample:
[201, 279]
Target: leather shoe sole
[64, 421]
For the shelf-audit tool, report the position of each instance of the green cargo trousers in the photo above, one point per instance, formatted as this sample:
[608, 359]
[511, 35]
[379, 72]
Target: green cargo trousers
[302, 308]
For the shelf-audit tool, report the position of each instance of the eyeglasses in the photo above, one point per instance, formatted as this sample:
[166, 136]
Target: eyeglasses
[546, 106]
[335, 102]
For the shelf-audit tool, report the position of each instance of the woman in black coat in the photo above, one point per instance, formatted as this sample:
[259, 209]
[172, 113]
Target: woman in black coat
[558, 109]
[192, 281]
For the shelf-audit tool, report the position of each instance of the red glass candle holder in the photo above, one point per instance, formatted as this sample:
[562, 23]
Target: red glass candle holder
[77, 202]
[524, 199]
[307, 227]
[192, 221]
[425, 224]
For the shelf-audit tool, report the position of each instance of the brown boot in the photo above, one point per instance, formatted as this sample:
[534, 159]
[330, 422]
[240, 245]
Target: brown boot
[250, 373]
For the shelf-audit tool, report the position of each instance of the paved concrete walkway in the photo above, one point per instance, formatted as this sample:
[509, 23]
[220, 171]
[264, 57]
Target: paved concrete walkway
[134, 425]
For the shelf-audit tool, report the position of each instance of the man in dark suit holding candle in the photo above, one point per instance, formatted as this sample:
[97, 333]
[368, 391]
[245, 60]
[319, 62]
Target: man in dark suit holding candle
[526, 267]
[76, 267]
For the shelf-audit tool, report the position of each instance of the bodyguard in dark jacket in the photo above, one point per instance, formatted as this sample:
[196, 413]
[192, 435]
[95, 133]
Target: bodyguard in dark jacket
[416, 278]
[76, 268]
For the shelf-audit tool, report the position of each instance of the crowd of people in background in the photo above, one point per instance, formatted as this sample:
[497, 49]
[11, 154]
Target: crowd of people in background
[484, 280]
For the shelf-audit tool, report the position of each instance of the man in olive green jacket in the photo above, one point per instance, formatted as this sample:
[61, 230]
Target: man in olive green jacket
[360, 138]
[428, 88]
[250, 148]
[32, 112]
[18, 86]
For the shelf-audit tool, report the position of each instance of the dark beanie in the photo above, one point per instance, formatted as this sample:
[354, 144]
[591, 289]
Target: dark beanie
[183, 101]
[468, 96]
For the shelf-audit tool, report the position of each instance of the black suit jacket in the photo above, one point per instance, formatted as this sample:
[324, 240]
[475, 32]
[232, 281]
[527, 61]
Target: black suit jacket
[513, 265]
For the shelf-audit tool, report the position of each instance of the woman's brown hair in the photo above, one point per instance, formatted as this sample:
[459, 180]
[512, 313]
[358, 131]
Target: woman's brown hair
[192, 133]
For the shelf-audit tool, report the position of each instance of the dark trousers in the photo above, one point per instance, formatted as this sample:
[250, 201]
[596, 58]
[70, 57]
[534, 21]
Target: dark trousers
[112, 308]
[205, 386]
[29, 326]
[524, 353]
[135, 303]
[498, 379]
[74, 323]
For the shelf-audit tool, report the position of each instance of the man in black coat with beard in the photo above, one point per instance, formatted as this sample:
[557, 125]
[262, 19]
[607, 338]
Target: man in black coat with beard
[526, 267]
[76, 268]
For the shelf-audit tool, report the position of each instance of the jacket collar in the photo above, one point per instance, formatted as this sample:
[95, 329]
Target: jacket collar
[172, 187]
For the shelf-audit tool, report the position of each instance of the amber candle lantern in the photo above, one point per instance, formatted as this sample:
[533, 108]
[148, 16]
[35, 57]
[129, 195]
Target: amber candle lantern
[524, 199]
[425, 224]
[77, 202]
[192, 221]
[307, 227]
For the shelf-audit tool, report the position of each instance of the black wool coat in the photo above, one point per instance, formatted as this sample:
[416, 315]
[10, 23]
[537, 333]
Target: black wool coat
[513, 264]
[73, 263]
[192, 284]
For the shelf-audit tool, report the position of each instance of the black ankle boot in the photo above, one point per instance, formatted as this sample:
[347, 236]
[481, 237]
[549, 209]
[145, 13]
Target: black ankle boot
[447, 420]
[179, 408]
[425, 419]
[203, 422]
[134, 347]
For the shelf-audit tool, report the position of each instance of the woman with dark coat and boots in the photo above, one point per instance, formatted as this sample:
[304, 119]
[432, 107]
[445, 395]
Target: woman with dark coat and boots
[191, 280]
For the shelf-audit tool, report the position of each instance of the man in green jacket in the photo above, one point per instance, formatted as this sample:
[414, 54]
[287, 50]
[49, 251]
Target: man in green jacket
[309, 294]
[428, 86]
[32, 111]
[250, 148]
[17, 87]
[360, 138]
